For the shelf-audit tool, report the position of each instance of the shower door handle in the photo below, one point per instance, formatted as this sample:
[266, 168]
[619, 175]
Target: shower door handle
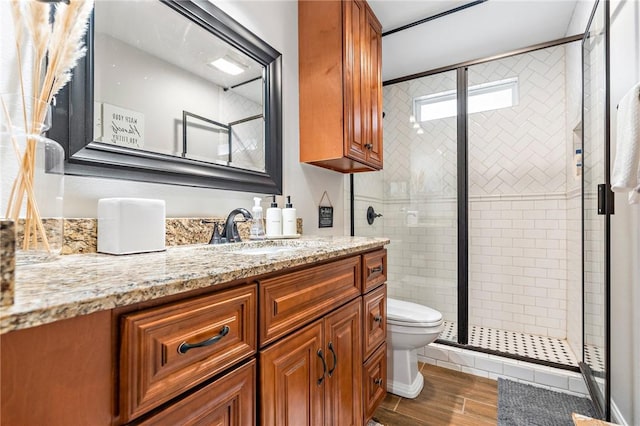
[605, 200]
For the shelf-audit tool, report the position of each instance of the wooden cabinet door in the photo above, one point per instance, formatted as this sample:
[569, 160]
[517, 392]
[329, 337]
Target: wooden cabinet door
[169, 349]
[374, 269]
[374, 381]
[343, 404]
[291, 300]
[355, 72]
[228, 401]
[373, 89]
[375, 320]
[292, 379]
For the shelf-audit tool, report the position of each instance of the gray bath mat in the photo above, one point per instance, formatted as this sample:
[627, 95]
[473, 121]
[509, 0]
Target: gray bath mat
[520, 405]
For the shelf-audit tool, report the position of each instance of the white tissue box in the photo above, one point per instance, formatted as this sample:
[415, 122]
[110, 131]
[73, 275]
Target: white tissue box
[130, 225]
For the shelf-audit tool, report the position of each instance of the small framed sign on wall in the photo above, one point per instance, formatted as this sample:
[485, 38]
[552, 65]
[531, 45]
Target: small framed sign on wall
[325, 213]
[119, 126]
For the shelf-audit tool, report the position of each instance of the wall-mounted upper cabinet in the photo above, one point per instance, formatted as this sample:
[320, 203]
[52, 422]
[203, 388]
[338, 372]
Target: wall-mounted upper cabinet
[340, 64]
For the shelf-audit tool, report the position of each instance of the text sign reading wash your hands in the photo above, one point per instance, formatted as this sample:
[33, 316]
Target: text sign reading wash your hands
[120, 126]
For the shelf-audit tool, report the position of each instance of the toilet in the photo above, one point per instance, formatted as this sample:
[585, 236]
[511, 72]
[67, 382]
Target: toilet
[410, 326]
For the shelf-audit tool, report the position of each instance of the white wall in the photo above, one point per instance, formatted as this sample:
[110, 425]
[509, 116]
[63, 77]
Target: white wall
[276, 23]
[625, 236]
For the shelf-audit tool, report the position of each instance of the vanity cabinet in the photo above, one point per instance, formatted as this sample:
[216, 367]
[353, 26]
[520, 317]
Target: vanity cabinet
[340, 84]
[228, 401]
[301, 346]
[308, 378]
[323, 354]
[170, 349]
[374, 347]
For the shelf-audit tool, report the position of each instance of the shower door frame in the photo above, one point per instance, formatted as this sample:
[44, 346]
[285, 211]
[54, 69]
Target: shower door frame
[602, 402]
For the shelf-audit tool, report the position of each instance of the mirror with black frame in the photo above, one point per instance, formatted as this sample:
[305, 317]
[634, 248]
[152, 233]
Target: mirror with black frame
[174, 92]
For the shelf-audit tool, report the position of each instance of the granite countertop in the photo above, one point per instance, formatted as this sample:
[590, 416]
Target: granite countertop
[81, 284]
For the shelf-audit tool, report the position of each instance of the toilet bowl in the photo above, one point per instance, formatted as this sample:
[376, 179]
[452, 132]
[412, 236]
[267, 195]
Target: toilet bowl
[410, 326]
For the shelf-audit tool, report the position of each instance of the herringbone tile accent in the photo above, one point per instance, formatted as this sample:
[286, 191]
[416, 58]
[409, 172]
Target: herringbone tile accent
[521, 150]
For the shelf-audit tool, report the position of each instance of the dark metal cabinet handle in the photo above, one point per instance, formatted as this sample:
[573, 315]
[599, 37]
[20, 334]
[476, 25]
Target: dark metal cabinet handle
[377, 318]
[368, 146]
[378, 381]
[335, 359]
[377, 269]
[324, 367]
[184, 346]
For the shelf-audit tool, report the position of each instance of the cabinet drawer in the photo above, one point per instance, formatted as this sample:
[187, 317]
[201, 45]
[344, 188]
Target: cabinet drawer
[228, 401]
[374, 269]
[375, 319]
[375, 381]
[156, 361]
[292, 300]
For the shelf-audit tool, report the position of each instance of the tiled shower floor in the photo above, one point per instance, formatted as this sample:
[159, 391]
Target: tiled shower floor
[526, 345]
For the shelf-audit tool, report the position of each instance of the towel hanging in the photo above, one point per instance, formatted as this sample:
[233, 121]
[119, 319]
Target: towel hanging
[625, 176]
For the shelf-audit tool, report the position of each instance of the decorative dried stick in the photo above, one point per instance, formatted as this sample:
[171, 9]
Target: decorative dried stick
[25, 182]
[61, 44]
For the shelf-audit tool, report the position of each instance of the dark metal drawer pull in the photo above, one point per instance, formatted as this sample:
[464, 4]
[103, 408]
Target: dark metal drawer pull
[378, 318]
[184, 346]
[378, 381]
[324, 366]
[376, 269]
[335, 359]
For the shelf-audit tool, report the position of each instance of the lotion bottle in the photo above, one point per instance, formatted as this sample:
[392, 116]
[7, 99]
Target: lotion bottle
[289, 219]
[257, 224]
[274, 219]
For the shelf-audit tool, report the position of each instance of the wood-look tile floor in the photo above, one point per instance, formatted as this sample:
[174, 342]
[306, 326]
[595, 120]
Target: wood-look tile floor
[448, 398]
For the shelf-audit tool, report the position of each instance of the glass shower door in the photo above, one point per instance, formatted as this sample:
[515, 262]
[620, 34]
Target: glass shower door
[416, 194]
[596, 206]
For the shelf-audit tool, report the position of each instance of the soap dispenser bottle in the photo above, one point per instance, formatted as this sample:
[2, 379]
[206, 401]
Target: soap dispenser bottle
[289, 219]
[274, 219]
[257, 224]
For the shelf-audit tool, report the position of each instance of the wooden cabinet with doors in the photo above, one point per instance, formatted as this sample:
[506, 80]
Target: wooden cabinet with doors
[374, 331]
[322, 343]
[340, 81]
[308, 377]
[319, 332]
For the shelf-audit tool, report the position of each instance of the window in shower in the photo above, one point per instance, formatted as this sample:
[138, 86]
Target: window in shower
[482, 97]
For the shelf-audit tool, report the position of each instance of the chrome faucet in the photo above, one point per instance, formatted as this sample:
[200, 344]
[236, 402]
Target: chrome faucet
[230, 232]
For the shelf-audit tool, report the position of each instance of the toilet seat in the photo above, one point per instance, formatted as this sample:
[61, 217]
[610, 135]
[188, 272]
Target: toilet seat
[408, 314]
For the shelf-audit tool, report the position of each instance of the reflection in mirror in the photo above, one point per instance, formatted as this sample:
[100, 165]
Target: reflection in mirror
[173, 92]
[166, 85]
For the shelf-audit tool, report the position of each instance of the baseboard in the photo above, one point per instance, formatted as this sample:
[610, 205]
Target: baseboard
[616, 415]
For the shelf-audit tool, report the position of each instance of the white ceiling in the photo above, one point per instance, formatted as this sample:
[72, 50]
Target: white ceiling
[490, 28]
[154, 28]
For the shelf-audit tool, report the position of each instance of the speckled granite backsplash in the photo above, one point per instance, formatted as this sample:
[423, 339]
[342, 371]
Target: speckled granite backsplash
[81, 235]
[7, 261]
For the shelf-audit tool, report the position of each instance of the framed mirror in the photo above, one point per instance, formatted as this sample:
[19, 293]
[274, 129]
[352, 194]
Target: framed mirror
[173, 92]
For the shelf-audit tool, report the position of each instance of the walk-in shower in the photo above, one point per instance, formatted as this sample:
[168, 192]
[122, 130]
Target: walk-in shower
[481, 197]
